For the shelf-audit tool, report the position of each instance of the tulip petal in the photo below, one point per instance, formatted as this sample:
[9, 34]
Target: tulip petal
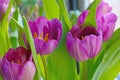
[82, 18]
[76, 48]
[48, 47]
[108, 25]
[28, 72]
[56, 29]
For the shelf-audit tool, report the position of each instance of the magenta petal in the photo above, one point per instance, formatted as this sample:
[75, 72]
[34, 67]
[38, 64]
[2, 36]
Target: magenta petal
[82, 18]
[105, 20]
[9, 71]
[27, 72]
[38, 44]
[107, 25]
[46, 34]
[3, 8]
[48, 47]
[95, 44]
[75, 48]
[14, 63]
[56, 29]
[38, 25]
[83, 44]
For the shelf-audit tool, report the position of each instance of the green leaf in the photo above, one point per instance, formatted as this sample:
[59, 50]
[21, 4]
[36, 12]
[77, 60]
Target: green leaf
[51, 9]
[111, 73]
[17, 16]
[106, 61]
[20, 32]
[1, 78]
[32, 46]
[64, 13]
[14, 42]
[3, 47]
[91, 18]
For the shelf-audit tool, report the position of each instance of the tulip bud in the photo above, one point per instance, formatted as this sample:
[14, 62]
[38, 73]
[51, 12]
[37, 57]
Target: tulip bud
[83, 43]
[105, 20]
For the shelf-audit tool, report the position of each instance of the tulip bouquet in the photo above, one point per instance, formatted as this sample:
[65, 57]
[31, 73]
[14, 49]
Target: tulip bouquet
[50, 47]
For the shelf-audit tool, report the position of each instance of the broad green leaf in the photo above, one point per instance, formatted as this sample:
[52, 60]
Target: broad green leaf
[61, 66]
[111, 73]
[51, 9]
[91, 18]
[106, 61]
[32, 46]
[64, 13]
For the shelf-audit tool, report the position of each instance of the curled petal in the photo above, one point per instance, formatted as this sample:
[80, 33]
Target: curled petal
[82, 18]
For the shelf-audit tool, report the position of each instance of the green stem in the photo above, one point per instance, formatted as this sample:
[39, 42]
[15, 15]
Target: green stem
[83, 71]
[45, 67]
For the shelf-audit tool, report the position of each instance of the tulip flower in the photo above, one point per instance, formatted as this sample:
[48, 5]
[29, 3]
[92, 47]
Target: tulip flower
[105, 20]
[17, 65]
[46, 34]
[83, 43]
[3, 8]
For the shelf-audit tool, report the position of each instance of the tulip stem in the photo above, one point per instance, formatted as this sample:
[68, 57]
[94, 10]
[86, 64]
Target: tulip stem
[84, 70]
[45, 67]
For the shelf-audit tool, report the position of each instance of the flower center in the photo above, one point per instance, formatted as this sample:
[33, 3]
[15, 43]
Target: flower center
[17, 61]
[41, 36]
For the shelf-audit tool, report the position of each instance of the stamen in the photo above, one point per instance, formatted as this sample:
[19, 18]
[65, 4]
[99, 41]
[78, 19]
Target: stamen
[82, 37]
[46, 37]
[18, 61]
[12, 61]
[35, 35]
[41, 36]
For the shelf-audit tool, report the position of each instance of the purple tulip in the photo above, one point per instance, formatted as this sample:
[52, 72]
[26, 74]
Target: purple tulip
[3, 8]
[105, 20]
[46, 34]
[83, 43]
[17, 65]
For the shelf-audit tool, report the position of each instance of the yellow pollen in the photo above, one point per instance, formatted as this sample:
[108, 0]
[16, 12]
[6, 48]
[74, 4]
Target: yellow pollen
[46, 37]
[35, 35]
